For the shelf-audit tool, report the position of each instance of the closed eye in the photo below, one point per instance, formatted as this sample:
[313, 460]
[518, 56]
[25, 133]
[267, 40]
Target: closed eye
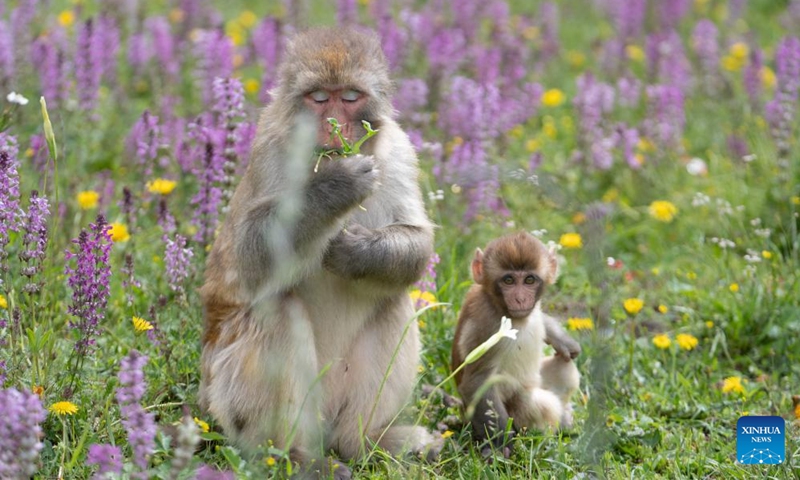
[350, 95]
[319, 96]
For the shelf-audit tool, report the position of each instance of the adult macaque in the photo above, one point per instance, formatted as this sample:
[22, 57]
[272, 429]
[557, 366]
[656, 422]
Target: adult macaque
[305, 287]
[510, 278]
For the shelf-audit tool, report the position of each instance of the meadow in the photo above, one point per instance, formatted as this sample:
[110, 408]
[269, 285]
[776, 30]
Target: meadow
[654, 144]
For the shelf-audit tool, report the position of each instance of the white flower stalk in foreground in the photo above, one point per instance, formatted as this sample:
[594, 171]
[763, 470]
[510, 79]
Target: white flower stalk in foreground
[480, 350]
[15, 97]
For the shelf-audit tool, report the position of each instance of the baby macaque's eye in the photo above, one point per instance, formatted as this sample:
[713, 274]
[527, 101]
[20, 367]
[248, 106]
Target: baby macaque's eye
[320, 96]
[350, 95]
[530, 279]
[508, 280]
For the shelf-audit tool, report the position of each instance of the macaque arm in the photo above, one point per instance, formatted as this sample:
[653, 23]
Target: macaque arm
[555, 335]
[392, 255]
[276, 234]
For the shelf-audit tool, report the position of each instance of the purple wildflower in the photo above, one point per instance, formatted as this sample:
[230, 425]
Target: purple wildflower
[346, 12]
[665, 118]
[268, 46]
[11, 215]
[20, 433]
[629, 91]
[20, 23]
[139, 51]
[129, 279]
[108, 459]
[177, 260]
[411, 97]
[214, 52]
[751, 76]
[108, 37]
[446, 50]
[34, 240]
[593, 102]
[88, 63]
[210, 473]
[548, 20]
[667, 60]
[394, 40]
[89, 282]
[229, 105]
[209, 171]
[706, 47]
[470, 109]
[144, 141]
[737, 146]
[128, 208]
[781, 110]
[139, 424]
[165, 219]
[629, 138]
[6, 54]
[627, 16]
[671, 12]
[163, 45]
[49, 56]
[428, 281]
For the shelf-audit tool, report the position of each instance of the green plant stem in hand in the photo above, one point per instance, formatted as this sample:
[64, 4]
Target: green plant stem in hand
[347, 148]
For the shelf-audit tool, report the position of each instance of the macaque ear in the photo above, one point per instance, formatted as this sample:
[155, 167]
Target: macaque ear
[477, 266]
[552, 267]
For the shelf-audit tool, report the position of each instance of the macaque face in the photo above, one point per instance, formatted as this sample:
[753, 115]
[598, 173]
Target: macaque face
[520, 291]
[346, 105]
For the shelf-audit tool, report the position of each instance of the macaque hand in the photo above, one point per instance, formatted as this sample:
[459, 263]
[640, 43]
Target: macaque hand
[566, 347]
[346, 251]
[355, 174]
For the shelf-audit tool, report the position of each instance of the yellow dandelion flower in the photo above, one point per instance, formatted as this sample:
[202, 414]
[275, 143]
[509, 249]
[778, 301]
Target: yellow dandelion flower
[733, 287]
[575, 58]
[364, 2]
[38, 390]
[516, 131]
[686, 341]
[63, 408]
[663, 308]
[28, 152]
[655, 271]
[732, 384]
[644, 145]
[421, 323]
[691, 275]
[766, 254]
[662, 341]
[425, 297]
[739, 50]
[66, 18]
[709, 324]
[252, 86]
[571, 240]
[88, 199]
[611, 195]
[248, 19]
[662, 210]
[768, 78]
[203, 425]
[731, 63]
[580, 324]
[635, 53]
[270, 461]
[3, 302]
[533, 145]
[447, 434]
[141, 325]
[553, 98]
[549, 127]
[579, 218]
[161, 186]
[119, 232]
[633, 305]
[796, 200]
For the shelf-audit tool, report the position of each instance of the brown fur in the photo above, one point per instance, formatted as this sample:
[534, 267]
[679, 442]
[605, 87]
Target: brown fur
[326, 289]
[535, 392]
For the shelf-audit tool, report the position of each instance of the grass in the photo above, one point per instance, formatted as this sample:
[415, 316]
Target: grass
[642, 411]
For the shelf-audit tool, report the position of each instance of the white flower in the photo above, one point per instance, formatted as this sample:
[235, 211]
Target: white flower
[15, 97]
[697, 166]
[505, 331]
